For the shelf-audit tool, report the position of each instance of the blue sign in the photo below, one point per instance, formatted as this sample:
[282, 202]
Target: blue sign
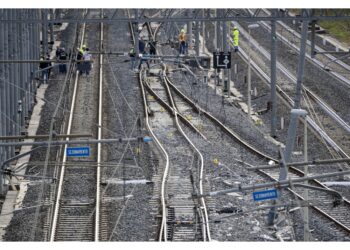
[78, 152]
[265, 195]
[147, 139]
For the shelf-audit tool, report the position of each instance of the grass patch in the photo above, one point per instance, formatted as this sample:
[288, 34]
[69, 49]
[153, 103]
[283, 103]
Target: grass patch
[337, 29]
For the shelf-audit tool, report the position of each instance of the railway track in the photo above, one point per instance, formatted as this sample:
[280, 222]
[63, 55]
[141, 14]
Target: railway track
[291, 38]
[335, 66]
[338, 215]
[76, 214]
[329, 129]
[324, 203]
[182, 219]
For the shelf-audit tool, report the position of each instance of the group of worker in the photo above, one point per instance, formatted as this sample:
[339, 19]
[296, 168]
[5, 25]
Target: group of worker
[146, 50]
[84, 64]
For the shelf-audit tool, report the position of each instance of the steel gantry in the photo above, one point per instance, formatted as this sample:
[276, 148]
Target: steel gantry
[138, 15]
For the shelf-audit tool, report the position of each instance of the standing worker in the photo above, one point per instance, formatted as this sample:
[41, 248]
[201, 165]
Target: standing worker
[182, 42]
[132, 55]
[235, 38]
[152, 48]
[43, 65]
[62, 55]
[87, 64]
[80, 54]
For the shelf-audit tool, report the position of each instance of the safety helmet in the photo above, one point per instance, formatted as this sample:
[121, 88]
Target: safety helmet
[235, 28]
[84, 46]
[182, 31]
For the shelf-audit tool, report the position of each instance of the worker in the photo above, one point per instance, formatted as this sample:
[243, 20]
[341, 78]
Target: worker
[132, 55]
[45, 68]
[235, 38]
[142, 45]
[87, 64]
[182, 42]
[144, 58]
[80, 57]
[61, 54]
[152, 47]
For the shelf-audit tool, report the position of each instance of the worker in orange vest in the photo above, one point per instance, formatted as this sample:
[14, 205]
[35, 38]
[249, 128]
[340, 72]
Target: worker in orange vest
[182, 42]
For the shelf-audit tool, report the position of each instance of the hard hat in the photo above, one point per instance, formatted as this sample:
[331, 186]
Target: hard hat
[84, 46]
[235, 28]
[182, 31]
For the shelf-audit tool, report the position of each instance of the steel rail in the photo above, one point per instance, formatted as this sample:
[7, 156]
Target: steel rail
[316, 128]
[233, 135]
[60, 184]
[284, 96]
[314, 60]
[163, 229]
[176, 114]
[323, 105]
[205, 225]
[99, 136]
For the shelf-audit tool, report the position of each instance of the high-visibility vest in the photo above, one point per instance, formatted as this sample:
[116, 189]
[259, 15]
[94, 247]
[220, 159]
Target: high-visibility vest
[235, 37]
[182, 37]
[132, 52]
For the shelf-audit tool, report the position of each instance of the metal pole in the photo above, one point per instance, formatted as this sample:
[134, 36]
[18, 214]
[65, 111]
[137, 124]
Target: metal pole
[312, 53]
[136, 35]
[249, 78]
[13, 74]
[224, 46]
[306, 192]
[2, 95]
[51, 26]
[64, 142]
[189, 31]
[197, 38]
[7, 79]
[215, 31]
[227, 41]
[294, 118]
[21, 90]
[273, 79]
[44, 32]
[218, 31]
[280, 184]
[203, 32]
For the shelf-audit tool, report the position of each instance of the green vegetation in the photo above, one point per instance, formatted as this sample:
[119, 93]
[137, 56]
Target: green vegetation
[337, 29]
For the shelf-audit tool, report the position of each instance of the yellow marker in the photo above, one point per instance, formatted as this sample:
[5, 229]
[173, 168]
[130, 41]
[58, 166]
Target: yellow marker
[216, 161]
[258, 122]
[162, 109]
[138, 150]
[170, 134]
[189, 117]
[150, 97]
